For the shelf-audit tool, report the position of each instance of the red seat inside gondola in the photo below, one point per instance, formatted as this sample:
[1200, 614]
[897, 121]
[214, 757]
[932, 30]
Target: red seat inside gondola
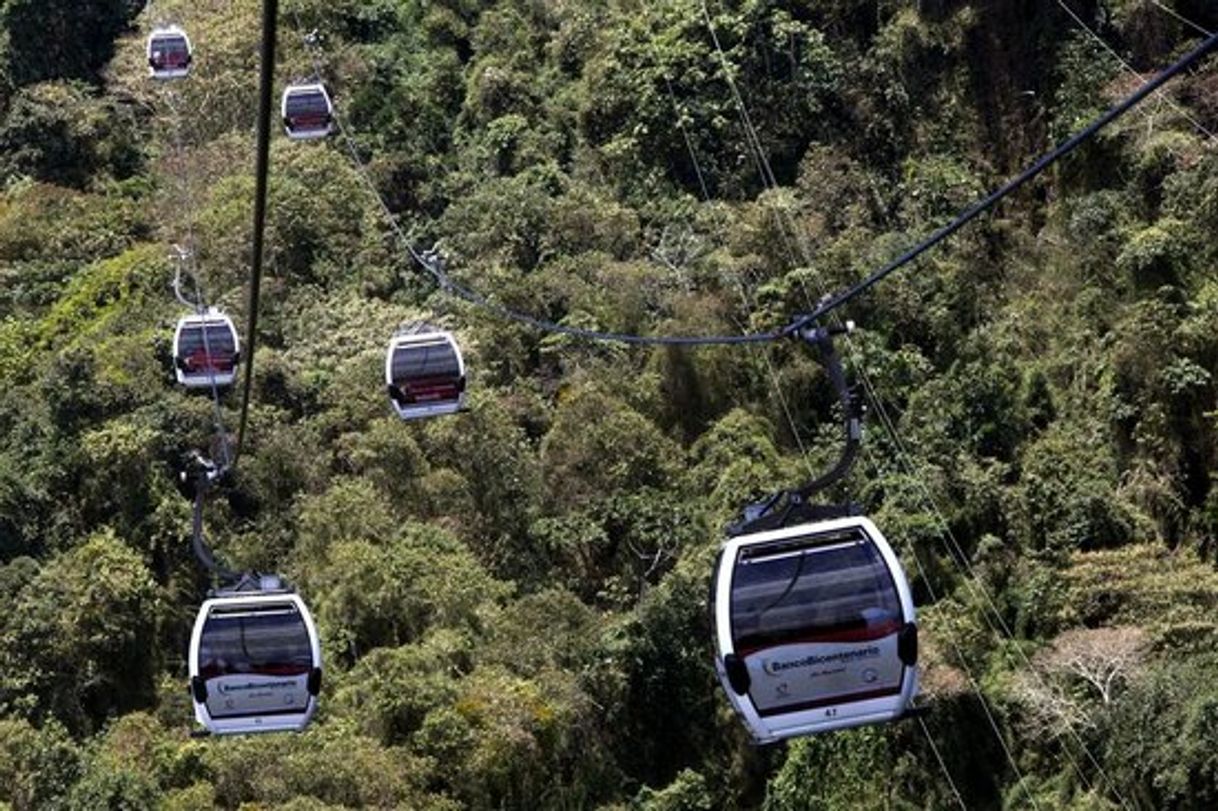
[309, 121]
[431, 389]
[172, 59]
[200, 361]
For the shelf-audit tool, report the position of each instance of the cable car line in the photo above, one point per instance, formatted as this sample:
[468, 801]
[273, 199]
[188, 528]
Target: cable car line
[991, 200]
[873, 396]
[202, 314]
[1134, 72]
[189, 256]
[828, 305]
[776, 386]
[1190, 23]
[270, 13]
[265, 674]
[942, 764]
[801, 321]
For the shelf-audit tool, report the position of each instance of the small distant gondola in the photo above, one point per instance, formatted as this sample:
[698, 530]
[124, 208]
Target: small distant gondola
[307, 112]
[425, 375]
[169, 53]
[255, 663]
[206, 350]
[815, 629]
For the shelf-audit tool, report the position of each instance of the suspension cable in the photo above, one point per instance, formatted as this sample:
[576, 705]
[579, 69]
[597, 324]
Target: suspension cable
[1133, 72]
[948, 537]
[270, 14]
[1190, 23]
[985, 204]
[873, 395]
[188, 256]
[763, 162]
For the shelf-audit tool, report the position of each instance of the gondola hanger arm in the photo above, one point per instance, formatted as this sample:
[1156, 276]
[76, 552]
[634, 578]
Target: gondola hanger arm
[787, 505]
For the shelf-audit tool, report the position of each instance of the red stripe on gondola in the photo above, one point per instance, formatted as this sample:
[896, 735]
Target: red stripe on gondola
[214, 672]
[200, 362]
[309, 121]
[869, 633]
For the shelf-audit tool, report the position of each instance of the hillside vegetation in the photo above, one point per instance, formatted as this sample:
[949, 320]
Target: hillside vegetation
[512, 602]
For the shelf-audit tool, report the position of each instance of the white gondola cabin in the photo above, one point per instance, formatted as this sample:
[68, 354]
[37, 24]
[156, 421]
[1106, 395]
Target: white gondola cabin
[169, 53]
[814, 629]
[307, 112]
[206, 350]
[425, 375]
[255, 664]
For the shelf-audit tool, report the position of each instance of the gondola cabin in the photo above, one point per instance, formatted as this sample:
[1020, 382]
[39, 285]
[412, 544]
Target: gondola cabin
[169, 53]
[307, 112]
[206, 351]
[425, 375]
[255, 664]
[814, 629]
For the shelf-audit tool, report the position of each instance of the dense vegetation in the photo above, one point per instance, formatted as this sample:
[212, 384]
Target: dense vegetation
[512, 602]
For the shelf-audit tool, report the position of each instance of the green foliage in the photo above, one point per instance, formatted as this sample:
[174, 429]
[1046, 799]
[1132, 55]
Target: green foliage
[513, 601]
[333, 765]
[688, 792]
[1155, 739]
[389, 591]
[522, 745]
[58, 132]
[81, 42]
[1067, 497]
[854, 757]
[584, 455]
[37, 766]
[75, 642]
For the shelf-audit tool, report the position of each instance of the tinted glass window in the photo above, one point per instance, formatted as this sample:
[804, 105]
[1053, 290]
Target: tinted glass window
[431, 359]
[307, 104]
[267, 641]
[169, 45]
[812, 588]
[219, 340]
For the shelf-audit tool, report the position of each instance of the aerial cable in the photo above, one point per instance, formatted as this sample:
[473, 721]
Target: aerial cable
[902, 455]
[1133, 72]
[775, 383]
[1199, 29]
[942, 764]
[270, 11]
[830, 303]
[796, 502]
[187, 256]
[958, 554]
[985, 204]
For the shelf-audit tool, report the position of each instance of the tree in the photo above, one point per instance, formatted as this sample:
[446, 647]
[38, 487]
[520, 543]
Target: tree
[58, 132]
[37, 766]
[1080, 669]
[75, 643]
[61, 39]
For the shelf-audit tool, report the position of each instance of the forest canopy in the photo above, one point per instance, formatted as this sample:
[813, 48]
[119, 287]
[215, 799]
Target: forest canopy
[512, 602]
